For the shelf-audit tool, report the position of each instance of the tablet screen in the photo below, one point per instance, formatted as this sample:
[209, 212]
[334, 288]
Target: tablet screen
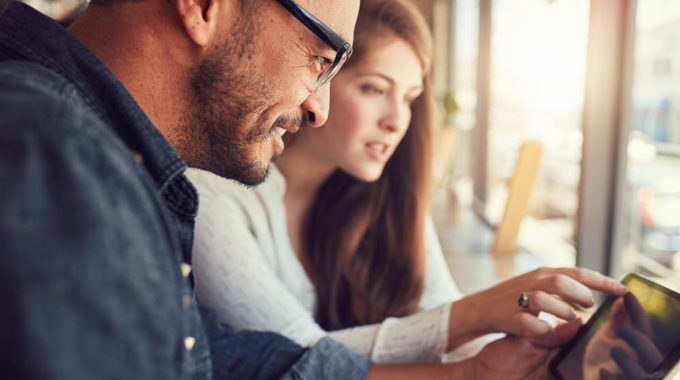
[648, 317]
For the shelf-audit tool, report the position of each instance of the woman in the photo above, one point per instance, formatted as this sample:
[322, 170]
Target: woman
[337, 241]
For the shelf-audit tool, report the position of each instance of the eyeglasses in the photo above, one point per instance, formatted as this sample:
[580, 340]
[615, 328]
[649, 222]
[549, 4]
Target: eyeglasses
[343, 48]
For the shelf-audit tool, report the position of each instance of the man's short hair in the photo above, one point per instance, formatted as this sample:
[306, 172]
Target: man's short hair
[245, 4]
[105, 2]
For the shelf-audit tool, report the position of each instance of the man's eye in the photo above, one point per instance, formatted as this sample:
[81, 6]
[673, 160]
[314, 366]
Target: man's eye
[323, 63]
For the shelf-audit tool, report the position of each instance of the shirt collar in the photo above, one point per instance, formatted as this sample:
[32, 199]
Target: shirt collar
[31, 36]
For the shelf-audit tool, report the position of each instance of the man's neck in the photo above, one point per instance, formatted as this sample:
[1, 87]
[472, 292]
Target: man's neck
[144, 54]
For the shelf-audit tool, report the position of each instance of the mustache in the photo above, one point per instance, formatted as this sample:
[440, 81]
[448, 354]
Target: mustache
[296, 121]
[263, 133]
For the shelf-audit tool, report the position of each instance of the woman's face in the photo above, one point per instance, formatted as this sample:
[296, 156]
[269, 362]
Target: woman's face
[370, 110]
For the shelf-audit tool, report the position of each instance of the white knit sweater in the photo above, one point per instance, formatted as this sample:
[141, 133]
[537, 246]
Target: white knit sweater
[246, 269]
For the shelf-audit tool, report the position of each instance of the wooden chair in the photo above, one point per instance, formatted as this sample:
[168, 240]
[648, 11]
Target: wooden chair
[519, 193]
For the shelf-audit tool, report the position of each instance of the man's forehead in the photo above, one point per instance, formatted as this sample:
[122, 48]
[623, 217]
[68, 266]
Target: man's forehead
[339, 15]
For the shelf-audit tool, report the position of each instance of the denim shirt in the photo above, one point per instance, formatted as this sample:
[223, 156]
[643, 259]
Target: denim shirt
[96, 230]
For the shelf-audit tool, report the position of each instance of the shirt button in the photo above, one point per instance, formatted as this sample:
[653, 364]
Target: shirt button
[186, 302]
[138, 157]
[189, 343]
[186, 269]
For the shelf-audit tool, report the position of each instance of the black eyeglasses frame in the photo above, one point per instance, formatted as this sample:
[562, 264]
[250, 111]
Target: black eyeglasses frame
[331, 38]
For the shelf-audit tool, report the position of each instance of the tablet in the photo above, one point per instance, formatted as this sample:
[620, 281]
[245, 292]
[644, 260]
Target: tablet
[648, 316]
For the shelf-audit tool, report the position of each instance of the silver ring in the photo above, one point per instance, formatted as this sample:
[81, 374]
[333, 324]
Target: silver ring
[523, 300]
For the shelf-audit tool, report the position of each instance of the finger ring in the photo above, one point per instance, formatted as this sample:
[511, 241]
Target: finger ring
[523, 300]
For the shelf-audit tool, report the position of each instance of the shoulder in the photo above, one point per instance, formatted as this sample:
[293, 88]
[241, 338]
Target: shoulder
[70, 187]
[233, 218]
[50, 140]
[46, 122]
[440, 287]
[432, 245]
[218, 194]
[211, 185]
[38, 102]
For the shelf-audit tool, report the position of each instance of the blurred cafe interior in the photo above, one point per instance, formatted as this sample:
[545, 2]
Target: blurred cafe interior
[559, 138]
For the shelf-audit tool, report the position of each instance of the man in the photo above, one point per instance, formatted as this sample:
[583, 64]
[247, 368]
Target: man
[96, 225]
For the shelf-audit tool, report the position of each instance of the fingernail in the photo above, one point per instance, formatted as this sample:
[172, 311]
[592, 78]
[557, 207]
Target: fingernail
[620, 288]
[572, 315]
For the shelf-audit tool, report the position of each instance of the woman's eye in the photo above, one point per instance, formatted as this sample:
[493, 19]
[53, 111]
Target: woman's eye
[367, 88]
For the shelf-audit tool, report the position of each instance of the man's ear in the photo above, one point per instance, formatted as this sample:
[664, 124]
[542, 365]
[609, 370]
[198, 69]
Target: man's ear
[199, 18]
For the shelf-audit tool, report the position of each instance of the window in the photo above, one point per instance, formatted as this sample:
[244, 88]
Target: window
[538, 56]
[652, 219]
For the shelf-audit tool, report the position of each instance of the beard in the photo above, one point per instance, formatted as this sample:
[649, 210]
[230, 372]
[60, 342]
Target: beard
[226, 125]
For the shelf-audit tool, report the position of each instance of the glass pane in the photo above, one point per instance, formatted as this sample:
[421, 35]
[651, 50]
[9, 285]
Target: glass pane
[464, 96]
[537, 87]
[653, 174]
[467, 27]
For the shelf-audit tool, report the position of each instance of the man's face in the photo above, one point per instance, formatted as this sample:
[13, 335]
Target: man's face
[258, 83]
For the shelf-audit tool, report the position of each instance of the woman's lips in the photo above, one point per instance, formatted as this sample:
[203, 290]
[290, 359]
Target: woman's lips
[378, 150]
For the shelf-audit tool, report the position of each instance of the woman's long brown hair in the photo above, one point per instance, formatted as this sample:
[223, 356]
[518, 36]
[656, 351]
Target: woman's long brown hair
[364, 241]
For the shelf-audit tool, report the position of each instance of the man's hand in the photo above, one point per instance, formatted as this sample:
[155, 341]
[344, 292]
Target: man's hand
[507, 359]
[522, 358]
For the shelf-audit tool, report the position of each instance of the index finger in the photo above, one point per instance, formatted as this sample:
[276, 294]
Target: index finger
[594, 280]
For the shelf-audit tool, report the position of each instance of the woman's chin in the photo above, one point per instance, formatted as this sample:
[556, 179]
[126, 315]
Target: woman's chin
[366, 175]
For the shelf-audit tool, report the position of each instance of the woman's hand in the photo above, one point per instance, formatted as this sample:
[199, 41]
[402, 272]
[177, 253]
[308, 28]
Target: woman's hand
[550, 290]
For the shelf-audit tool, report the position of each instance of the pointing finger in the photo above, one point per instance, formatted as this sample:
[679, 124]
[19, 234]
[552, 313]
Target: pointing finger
[594, 280]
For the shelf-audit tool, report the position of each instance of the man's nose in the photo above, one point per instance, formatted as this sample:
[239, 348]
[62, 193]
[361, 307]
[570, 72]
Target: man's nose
[316, 106]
